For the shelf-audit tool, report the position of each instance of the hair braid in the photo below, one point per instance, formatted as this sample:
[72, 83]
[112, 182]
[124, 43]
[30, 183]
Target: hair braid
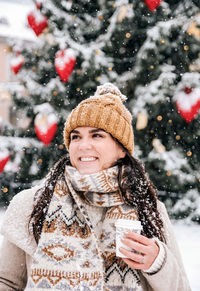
[43, 197]
[138, 191]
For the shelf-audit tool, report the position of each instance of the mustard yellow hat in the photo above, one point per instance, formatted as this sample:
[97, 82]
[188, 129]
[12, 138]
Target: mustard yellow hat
[104, 110]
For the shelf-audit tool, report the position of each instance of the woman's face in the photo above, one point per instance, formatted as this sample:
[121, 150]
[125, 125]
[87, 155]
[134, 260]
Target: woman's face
[92, 150]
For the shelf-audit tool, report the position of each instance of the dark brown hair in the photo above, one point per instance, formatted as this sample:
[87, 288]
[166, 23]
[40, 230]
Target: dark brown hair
[139, 192]
[135, 186]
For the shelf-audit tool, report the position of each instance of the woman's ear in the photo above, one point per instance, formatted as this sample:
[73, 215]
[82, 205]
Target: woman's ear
[122, 153]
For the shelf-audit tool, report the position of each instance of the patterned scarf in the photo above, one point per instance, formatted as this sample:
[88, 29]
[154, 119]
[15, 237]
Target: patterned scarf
[70, 254]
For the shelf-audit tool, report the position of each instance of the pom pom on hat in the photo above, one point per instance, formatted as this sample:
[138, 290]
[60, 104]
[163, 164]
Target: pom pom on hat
[109, 89]
[106, 111]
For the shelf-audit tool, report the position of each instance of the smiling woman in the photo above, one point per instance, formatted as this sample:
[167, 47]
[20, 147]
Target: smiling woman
[61, 235]
[92, 150]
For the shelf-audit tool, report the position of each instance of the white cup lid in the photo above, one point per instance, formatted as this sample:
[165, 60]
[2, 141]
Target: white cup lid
[125, 223]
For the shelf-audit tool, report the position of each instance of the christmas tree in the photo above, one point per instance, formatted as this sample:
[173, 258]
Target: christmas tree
[150, 50]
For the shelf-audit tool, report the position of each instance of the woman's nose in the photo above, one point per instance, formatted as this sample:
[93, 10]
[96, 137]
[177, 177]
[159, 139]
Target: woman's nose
[85, 144]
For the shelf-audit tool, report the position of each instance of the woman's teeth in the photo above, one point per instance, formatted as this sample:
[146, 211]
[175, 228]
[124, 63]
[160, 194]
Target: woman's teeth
[87, 159]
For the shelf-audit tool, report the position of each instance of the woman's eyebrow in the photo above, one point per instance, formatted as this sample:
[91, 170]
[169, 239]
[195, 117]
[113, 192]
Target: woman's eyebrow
[75, 131]
[96, 130]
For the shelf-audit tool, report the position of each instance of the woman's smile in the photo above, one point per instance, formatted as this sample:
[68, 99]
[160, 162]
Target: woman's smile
[92, 150]
[87, 159]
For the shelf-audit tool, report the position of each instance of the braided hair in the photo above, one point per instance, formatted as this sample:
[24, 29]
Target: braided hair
[139, 192]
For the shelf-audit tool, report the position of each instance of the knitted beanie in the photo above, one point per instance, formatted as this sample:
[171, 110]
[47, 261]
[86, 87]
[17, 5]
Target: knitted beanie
[106, 111]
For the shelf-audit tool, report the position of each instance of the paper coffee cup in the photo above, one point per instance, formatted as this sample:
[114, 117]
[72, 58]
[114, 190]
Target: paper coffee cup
[122, 226]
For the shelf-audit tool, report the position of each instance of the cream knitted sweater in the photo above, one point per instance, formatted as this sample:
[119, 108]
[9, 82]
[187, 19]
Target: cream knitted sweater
[19, 247]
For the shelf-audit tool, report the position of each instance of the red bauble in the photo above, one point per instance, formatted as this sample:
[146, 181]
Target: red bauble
[187, 90]
[4, 158]
[45, 127]
[37, 21]
[16, 64]
[152, 4]
[38, 4]
[64, 63]
[188, 103]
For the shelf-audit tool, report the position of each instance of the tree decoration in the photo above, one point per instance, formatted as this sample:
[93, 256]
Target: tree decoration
[64, 63]
[152, 4]
[4, 158]
[188, 103]
[194, 29]
[123, 10]
[37, 21]
[38, 4]
[45, 127]
[142, 120]
[158, 146]
[16, 63]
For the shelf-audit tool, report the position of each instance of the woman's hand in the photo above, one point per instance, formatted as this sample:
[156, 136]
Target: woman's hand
[147, 249]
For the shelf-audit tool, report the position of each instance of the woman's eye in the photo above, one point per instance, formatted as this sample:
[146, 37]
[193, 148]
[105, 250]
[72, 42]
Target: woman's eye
[97, 135]
[73, 137]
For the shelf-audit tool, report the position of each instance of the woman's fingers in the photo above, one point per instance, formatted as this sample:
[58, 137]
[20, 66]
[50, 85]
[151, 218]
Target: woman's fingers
[132, 255]
[144, 250]
[138, 237]
[138, 247]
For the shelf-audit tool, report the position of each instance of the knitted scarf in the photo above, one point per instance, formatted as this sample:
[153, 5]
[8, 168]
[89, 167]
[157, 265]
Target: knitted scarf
[70, 254]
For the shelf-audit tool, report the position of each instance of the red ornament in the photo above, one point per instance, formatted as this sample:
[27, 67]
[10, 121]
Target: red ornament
[38, 4]
[187, 90]
[45, 127]
[4, 158]
[37, 21]
[17, 63]
[152, 4]
[188, 103]
[64, 63]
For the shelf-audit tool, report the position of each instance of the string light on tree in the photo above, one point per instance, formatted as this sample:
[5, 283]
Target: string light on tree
[168, 173]
[61, 147]
[128, 35]
[189, 153]
[159, 118]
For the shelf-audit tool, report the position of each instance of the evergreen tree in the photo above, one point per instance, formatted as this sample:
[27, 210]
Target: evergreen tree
[152, 56]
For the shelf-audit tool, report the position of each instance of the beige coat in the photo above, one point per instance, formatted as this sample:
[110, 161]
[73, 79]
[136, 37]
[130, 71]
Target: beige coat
[18, 248]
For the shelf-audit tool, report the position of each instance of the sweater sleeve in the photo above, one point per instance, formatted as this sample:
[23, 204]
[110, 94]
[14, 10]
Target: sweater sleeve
[171, 275]
[13, 273]
[157, 264]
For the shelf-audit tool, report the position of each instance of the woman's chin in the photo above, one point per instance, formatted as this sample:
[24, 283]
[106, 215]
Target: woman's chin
[88, 170]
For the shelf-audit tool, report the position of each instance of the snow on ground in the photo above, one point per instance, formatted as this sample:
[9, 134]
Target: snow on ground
[188, 237]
